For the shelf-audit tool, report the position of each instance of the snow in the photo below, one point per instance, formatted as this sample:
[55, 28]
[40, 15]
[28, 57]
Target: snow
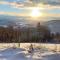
[22, 54]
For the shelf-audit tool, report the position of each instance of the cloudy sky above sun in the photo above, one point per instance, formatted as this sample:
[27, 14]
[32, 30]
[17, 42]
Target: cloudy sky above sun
[47, 8]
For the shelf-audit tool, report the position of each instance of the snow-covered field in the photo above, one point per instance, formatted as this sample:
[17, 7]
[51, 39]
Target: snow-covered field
[22, 54]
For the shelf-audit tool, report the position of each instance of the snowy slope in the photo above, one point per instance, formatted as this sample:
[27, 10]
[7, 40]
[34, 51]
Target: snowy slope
[22, 54]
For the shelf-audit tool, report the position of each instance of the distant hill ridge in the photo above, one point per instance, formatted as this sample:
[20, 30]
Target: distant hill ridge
[54, 25]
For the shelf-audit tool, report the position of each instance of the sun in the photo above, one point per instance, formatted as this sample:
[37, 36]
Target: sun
[36, 12]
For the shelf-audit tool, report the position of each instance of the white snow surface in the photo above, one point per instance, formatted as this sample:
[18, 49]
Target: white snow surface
[22, 54]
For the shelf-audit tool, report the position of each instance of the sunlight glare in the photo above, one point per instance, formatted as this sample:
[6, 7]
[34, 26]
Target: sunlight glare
[36, 12]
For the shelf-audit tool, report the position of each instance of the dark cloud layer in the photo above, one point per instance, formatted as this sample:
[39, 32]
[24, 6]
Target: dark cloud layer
[32, 3]
[50, 2]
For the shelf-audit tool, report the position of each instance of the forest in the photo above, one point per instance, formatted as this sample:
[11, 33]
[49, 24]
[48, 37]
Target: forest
[36, 34]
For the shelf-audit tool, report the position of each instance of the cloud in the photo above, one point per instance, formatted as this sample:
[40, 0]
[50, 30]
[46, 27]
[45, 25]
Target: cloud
[51, 15]
[11, 3]
[26, 14]
[12, 14]
[50, 2]
[27, 4]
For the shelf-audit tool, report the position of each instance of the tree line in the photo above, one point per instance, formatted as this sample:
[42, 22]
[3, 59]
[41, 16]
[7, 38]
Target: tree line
[39, 33]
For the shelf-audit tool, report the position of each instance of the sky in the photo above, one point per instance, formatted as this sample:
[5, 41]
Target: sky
[48, 8]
